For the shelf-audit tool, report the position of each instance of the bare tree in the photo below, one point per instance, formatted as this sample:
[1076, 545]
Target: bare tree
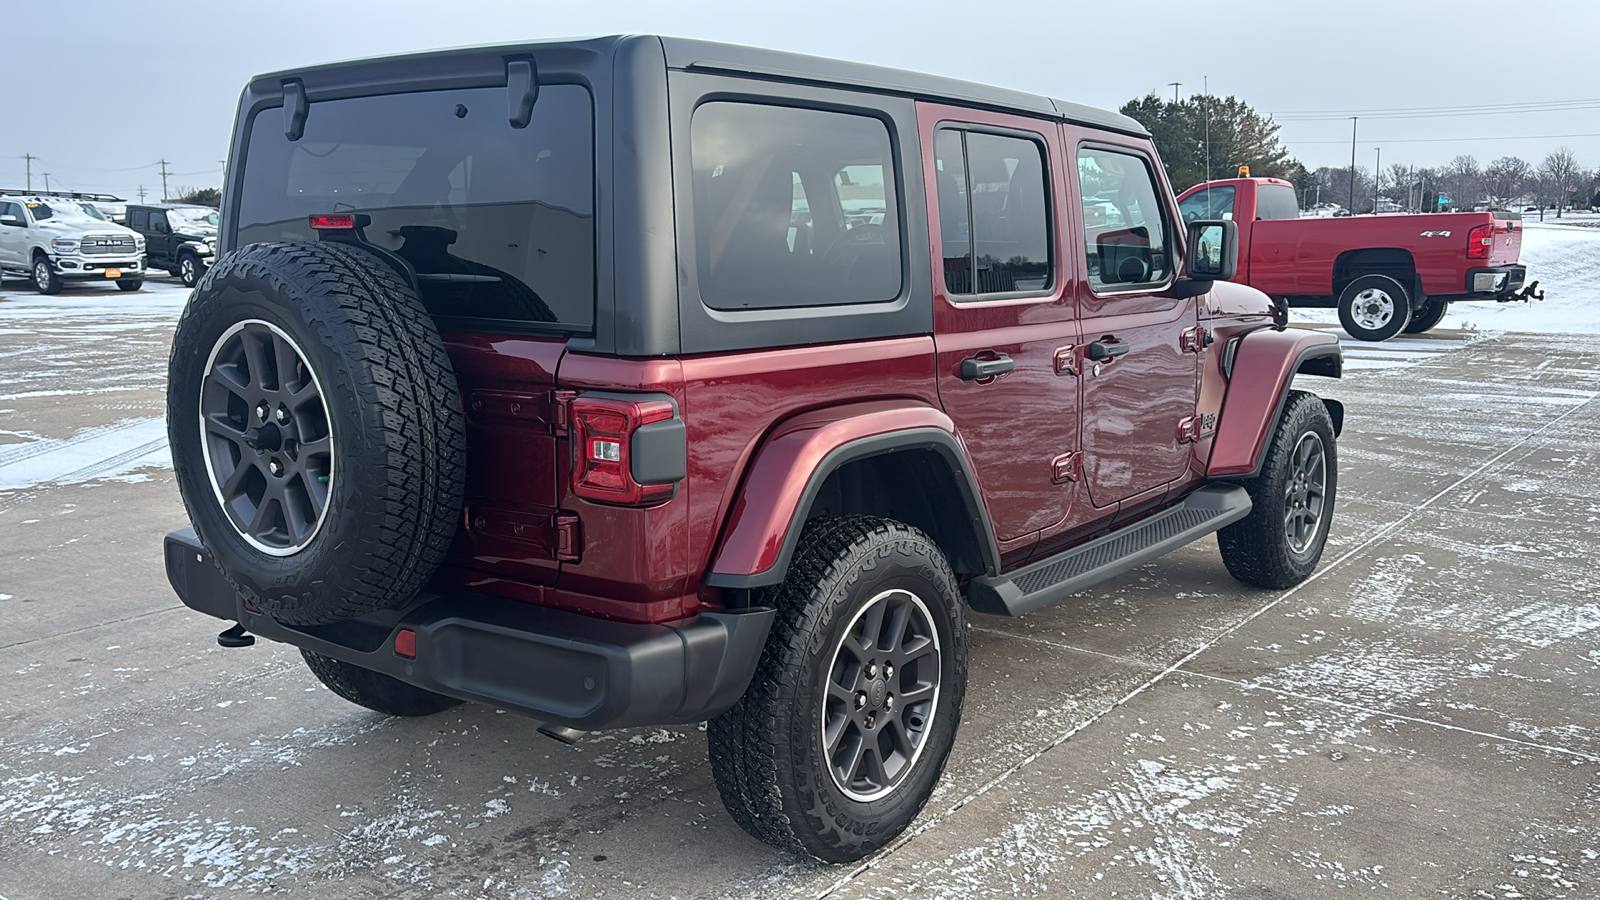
[1505, 179]
[1464, 177]
[1560, 173]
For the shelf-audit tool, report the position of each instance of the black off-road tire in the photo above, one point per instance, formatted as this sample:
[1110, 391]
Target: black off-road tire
[374, 690]
[43, 278]
[129, 284]
[767, 751]
[392, 418]
[1258, 549]
[1428, 317]
[1361, 301]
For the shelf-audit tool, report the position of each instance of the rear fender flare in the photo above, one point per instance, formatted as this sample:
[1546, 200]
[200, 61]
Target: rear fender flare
[788, 471]
[1266, 362]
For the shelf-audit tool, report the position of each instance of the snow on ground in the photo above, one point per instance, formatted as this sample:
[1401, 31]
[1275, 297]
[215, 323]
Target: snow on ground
[1566, 261]
[115, 451]
[89, 307]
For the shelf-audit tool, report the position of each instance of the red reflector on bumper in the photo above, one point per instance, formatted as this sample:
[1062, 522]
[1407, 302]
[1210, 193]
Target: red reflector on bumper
[405, 643]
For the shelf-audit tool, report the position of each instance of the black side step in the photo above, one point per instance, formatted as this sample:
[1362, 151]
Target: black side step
[1048, 580]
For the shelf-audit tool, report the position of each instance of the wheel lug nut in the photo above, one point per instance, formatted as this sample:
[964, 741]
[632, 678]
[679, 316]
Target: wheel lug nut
[861, 699]
[872, 670]
[283, 415]
[888, 670]
[888, 701]
[274, 467]
[261, 411]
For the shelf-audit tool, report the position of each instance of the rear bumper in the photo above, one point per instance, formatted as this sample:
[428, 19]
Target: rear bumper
[553, 665]
[1495, 282]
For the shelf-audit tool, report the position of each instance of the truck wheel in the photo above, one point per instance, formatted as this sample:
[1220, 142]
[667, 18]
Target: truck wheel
[316, 430]
[1374, 308]
[189, 270]
[129, 284]
[842, 734]
[374, 690]
[1428, 317]
[45, 279]
[1279, 543]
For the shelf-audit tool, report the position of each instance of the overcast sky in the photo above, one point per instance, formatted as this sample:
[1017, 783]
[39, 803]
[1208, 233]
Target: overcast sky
[100, 108]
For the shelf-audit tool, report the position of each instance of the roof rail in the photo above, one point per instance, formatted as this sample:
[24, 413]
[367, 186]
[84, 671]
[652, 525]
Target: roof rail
[69, 195]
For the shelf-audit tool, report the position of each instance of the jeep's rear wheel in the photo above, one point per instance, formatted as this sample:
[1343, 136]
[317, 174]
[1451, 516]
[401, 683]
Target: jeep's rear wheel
[375, 690]
[316, 429]
[1279, 544]
[842, 734]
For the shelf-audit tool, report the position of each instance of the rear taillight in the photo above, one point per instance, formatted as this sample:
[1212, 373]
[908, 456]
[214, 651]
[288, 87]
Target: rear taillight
[334, 221]
[1480, 241]
[603, 430]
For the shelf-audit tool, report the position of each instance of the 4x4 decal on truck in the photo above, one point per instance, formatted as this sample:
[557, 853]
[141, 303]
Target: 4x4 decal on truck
[1435, 234]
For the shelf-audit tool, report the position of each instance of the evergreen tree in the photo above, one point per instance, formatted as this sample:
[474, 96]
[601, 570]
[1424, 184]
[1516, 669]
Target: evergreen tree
[1239, 136]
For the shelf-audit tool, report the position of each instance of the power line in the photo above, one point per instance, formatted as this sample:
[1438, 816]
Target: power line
[1434, 111]
[1491, 137]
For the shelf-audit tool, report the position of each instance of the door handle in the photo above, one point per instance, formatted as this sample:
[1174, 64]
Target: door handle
[1101, 350]
[976, 369]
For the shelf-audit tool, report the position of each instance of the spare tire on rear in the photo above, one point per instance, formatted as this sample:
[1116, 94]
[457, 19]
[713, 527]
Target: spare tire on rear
[316, 430]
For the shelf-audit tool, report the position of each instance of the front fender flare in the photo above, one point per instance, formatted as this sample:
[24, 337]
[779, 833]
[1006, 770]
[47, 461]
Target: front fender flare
[781, 483]
[1258, 388]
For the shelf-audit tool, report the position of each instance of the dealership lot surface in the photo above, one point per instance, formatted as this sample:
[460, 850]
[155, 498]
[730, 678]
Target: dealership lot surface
[1420, 718]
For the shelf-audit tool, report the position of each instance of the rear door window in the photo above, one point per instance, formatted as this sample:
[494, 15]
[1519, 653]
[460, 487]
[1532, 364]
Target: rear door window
[994, 212]
[793, 207]
[1276, 201]
[139, 219]
[1135, 252]
[497, 221]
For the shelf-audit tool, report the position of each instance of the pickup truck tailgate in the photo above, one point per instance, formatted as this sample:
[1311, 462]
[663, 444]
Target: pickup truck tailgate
[1507, 242]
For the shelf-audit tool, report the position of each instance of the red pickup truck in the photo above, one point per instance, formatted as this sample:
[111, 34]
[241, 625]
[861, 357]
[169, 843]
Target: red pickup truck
[1385, 274]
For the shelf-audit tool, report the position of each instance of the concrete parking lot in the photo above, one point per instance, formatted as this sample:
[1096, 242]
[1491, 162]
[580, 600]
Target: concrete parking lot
[1420, 719]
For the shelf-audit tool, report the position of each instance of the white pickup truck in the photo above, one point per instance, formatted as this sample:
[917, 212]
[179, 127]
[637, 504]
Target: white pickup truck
[50, 240]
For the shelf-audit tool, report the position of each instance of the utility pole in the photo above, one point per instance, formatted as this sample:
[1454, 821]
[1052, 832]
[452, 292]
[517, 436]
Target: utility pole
[47, 182]
[163, 181]
[1175, 85]
[1377, 180]
[1353, 164]
[141, 193]
[28, 158]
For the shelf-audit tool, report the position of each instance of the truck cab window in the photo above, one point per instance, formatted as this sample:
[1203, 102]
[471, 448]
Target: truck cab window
[1214, 203]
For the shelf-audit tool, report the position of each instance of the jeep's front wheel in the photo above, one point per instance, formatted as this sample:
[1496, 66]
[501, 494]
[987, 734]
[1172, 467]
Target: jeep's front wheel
[844, 730]
[1279, 544]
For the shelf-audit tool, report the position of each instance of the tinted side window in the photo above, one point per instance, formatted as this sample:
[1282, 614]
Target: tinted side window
[1276, 201]
[793, 207]
[139, 219]
[993, 212]
[158, 220]
[1210, 203]
[498, 221]
[1134, 251]
[11, 209]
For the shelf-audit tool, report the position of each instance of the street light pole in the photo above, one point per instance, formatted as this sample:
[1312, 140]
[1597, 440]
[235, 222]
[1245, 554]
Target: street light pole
[1353, 164]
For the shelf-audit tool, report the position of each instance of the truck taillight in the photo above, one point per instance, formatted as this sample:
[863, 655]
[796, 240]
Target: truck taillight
[1480, 241]
[603, 430]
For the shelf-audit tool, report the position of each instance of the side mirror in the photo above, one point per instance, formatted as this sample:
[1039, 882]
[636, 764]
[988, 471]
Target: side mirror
[9, 219]
[1213, 253]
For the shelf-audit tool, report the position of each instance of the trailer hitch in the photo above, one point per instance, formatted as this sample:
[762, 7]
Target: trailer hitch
[1531, 292]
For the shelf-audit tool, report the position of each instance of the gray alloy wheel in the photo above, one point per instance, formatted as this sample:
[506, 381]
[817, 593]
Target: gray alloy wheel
[1305, 492]
[267, 437]
[882, 692]
[45, 280]
[189, 270]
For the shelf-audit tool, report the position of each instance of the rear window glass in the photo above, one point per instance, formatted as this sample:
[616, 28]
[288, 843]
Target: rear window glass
[497, 221]
[1276, 201]
[793, 207]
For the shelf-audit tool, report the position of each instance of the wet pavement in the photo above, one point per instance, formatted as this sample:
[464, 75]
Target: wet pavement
[1422, 718]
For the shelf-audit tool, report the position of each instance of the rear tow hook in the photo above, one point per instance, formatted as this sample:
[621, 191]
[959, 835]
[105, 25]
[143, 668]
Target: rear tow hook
[236, 637]
[1531, 292]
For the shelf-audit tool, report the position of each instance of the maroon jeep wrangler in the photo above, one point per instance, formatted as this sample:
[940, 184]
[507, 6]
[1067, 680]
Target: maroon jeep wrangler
[640, 381]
